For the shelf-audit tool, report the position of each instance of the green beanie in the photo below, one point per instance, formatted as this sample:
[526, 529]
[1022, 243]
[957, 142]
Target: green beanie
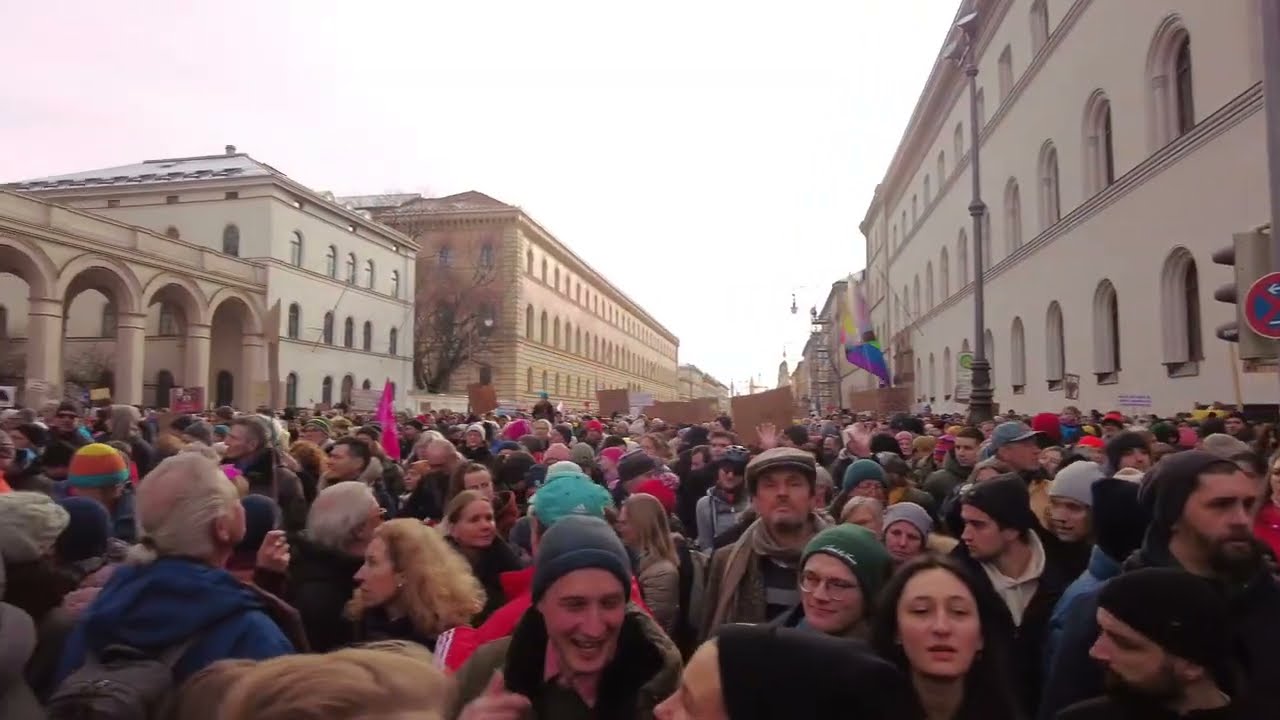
[860, 470]
[858, 548]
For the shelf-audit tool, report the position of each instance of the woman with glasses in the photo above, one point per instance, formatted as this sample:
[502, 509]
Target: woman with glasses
[841, 572]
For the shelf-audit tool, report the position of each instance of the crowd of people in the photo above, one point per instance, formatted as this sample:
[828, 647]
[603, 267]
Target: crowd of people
[269, 565]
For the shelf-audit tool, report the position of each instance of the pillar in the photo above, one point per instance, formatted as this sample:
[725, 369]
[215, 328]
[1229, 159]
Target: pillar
[252, 389]
[131, 338]
[44, 350]
[195, 368]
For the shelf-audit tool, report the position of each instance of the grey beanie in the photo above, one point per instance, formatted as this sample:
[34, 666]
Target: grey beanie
[1075, 482]
[30, 523]
[577, 542]
[200, 430]
[909, 512]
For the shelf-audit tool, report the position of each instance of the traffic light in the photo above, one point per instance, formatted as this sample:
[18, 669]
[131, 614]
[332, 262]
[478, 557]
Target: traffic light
[1250, 257]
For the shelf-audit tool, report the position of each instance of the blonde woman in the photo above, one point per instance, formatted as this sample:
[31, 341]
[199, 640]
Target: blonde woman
[642, 525]
[366, 683]
[655, 447]
[412, 586]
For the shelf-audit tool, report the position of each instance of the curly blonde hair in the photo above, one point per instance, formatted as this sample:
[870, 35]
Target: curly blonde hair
[439, 592]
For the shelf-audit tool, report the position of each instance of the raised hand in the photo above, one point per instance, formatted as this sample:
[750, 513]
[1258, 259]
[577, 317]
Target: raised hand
[496, 703]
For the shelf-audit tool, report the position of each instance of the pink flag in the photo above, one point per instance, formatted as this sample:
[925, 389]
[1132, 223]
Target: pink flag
[387, 419]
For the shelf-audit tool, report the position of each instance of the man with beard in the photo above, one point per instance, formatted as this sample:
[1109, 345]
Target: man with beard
[1159, 644]
[755, 579]
[1202, 512]
[429, 496]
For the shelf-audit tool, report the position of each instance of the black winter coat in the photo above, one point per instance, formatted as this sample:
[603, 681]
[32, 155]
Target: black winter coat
[321, 581]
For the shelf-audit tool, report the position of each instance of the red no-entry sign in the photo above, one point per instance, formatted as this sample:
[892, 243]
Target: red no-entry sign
[1262, 306]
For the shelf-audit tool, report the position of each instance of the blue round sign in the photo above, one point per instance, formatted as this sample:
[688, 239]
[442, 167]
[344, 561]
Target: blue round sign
[1262, 306]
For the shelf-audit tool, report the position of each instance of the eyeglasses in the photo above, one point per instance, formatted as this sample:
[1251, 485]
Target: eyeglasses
[837, 589]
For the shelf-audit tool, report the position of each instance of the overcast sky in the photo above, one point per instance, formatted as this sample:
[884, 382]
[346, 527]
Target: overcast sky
[710, 157]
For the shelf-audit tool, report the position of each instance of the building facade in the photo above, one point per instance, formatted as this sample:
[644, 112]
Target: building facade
[178, 311]
[342, 281]
[693, 383]
[1099, 124]
[555, 325]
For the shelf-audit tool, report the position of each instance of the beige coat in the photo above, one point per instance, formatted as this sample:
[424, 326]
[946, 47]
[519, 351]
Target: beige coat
[660, 585]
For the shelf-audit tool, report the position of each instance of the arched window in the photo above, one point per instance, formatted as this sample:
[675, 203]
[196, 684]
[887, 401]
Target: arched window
[542, 326]
[293, 326]
[395, 283]
[368, 274]
[327, 331]
[367, 384]
[348, 384]
[577, 341]
[528, 376]
[1018, 357]
[958, 141]
[528, 267]
[555, 333]
[1050, 194]
[393, 342]
[1106, 333]
[544, 270]
[556, 276]
[291, 390]
[1039, 26]
[1183, 347]
[168, 322]
[942, 169]
[933, 378]
[915, 212]
[944, 273]
[1171, 106]
[1012, 216]
[982, 110]
[486, 256]
[528, 322]
[1005, 72]
[1055, 356]
[947, 388]
[557, 385]
[331, 262]
[928, 285]
[326, 390]
[295, 249]
[367, 339]
[544, 381]
[164, 383]
[444, 257]
[231, 240]
[4, 322]
[928, 193]
[172, 233]
[349, 332]
[915, 295]
[351, 268]
[962, 256]
[224, 385]
[1100, 159]
[108, 320]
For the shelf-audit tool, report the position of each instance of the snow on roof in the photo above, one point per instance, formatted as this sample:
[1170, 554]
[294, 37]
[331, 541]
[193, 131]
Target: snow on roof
[205, 167]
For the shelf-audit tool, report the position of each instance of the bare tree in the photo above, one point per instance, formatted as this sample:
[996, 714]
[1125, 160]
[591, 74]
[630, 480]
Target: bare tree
[454, 321]
[13, 365]
[88, 369]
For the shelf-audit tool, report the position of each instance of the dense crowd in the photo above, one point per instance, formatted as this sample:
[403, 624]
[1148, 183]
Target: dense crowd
[270, 565]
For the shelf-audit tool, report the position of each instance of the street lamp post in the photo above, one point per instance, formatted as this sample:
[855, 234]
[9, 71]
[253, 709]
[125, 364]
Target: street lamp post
[980, 394]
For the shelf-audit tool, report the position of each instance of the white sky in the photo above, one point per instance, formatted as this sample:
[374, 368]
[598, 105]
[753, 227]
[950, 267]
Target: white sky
[709, 157]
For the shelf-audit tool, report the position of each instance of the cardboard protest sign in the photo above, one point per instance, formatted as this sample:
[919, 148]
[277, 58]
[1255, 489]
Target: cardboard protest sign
[482, 398]
[613, 401]
[771, 406]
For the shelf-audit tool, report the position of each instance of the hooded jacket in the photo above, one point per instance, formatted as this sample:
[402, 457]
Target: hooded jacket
[159, 605]
[715, 514]
[942, 481]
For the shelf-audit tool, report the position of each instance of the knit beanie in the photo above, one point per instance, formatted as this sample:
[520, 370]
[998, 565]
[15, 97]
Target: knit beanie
[578, 543]
[634, 464]
[261, 516]
[1075, 481]
[864, 469]
[569, 495]
[582, 454]
[612, 454]
[781, 457]
[200, 431]
[1050, 425]
[1164, 491]
[665, 496]
[1118, 520]
[909, 512]
[564, 468]
[1121, 444]
[35, 434]
[88, 530]
[30, 523]
[859, 549]
[1090, 441]
[1005, 499]
[319, 423]
[1224, 446]
[556, 452]
[1182, 613]
[97, 466]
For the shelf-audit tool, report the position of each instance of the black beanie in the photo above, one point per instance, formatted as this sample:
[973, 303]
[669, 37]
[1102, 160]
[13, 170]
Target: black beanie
[840, 677]
[1164, 490]
[1005, 499]
[1180, 612]
[1122, 443]
[1119, 521]
[578, 542]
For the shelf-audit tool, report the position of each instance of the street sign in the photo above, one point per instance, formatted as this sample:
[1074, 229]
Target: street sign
[1262, 306]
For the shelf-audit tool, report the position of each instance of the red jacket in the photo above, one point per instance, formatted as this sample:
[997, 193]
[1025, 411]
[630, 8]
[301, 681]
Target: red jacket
[1266, 527]
[453, 647]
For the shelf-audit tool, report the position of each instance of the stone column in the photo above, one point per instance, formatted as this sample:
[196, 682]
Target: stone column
[253, 365]
[131, 338]
[44, 349]
[195, 361]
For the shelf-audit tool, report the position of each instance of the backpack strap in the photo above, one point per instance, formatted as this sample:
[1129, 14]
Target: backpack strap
[173, 654]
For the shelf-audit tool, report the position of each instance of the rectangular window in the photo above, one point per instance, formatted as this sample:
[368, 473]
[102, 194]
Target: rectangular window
[113, 203]
[232, 195]
[171, 200]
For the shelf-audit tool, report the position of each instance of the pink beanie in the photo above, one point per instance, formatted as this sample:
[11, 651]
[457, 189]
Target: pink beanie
[556, 452]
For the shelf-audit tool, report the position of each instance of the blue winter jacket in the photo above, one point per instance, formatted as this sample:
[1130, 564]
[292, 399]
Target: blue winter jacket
[157, 606]
[1101, 569]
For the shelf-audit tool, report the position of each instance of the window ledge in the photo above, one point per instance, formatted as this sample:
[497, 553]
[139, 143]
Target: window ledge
[1055, 385]
[1182, 369]
[1019, 389]
[1108, 378]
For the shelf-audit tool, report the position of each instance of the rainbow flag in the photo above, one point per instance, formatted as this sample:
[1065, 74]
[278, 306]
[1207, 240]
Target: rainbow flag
[858, 336]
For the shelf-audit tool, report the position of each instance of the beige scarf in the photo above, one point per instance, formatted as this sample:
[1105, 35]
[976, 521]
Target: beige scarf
[755, 542]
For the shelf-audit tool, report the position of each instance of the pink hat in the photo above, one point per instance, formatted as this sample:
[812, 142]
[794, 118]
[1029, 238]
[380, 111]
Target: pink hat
[1187, 437]
[612, 454]
[556, 452]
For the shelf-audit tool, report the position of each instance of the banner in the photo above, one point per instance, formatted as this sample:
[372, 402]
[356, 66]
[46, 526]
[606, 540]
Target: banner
[964, 377]
[365, 400]
[186, 400]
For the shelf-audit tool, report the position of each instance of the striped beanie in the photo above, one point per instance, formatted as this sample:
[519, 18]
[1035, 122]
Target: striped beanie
[97, 466]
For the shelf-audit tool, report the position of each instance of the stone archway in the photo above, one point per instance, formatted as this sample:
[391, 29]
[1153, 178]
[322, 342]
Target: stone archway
[32, 350]
[178, 320]
[104, 341]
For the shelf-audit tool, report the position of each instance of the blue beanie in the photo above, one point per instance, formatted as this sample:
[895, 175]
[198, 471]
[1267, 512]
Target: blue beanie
[87, 533]
[864, 469]
[261, 516]
[577, 543]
